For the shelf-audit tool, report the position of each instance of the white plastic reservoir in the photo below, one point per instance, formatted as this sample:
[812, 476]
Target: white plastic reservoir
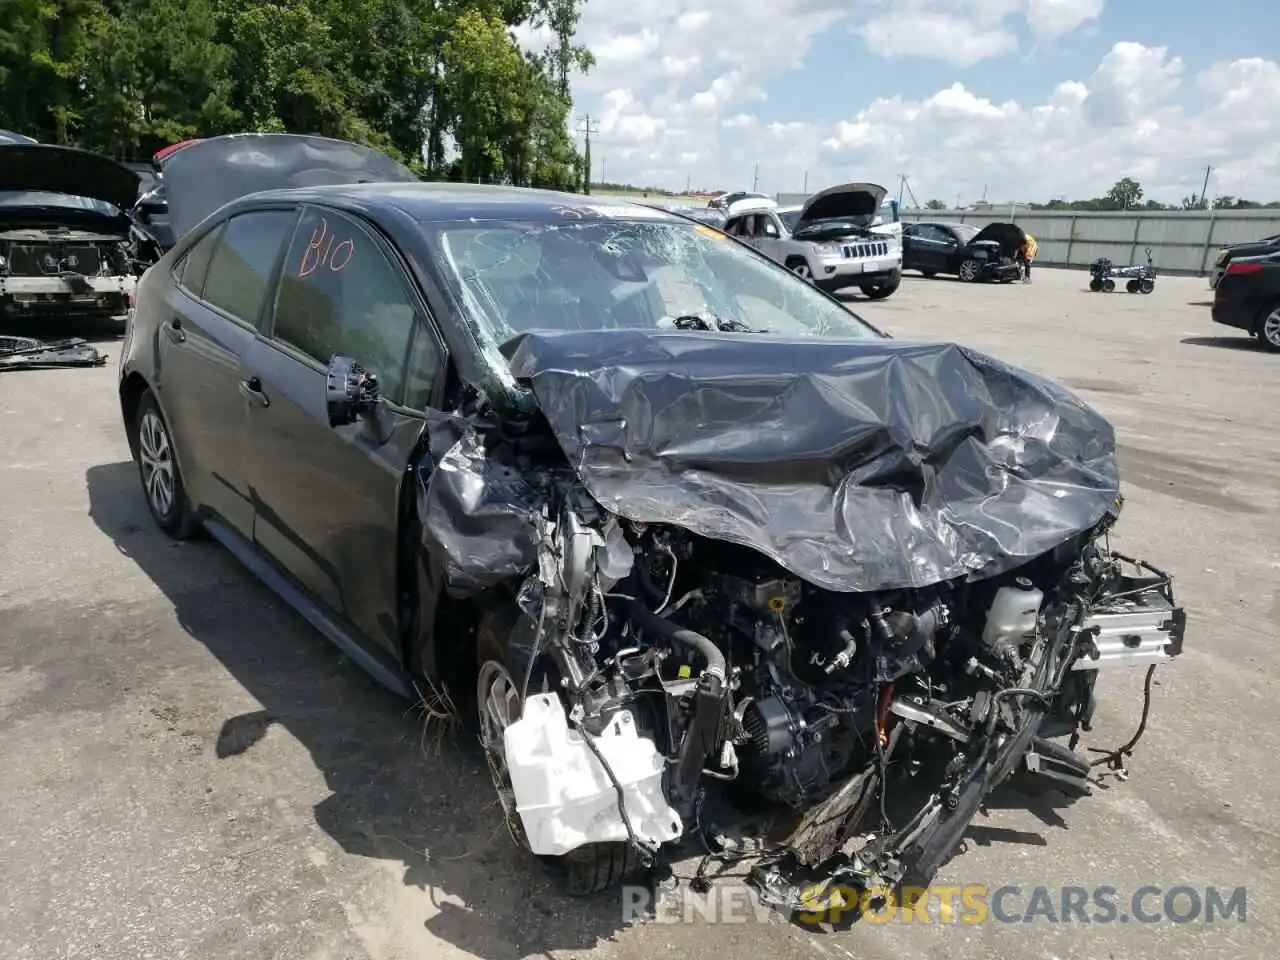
[1013, 613]
[565, 798]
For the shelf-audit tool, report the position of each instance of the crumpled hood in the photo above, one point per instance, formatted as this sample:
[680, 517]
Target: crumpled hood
[45, 168]
[1008, 235]
[853, 202]
[858, 465]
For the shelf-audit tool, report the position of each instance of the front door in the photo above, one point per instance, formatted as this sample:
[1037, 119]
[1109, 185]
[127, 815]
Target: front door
[327, 500]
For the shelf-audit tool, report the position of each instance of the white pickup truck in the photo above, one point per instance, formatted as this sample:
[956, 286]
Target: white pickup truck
[845, 236]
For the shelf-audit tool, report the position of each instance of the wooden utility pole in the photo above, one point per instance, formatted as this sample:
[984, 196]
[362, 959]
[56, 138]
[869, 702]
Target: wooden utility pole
[586, 129]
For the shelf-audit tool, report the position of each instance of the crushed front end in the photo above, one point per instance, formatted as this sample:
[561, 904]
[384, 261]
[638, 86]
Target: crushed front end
[817, 650]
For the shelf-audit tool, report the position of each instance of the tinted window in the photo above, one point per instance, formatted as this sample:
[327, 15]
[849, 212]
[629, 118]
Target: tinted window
[339, 295]
[191, 272]
[241, 268]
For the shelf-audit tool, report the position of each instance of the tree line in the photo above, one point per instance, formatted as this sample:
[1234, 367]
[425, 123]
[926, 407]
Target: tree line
[1126, 194]
[441, 85]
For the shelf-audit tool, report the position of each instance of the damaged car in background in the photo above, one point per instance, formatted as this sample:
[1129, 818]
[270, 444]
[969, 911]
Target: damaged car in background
[687, 538]
[67, 241]
[834, 239]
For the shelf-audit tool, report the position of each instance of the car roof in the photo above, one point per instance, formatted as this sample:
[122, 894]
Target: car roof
[425, 202]
[751, 205]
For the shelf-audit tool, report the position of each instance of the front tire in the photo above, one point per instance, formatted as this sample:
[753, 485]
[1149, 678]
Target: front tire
[800, 267]
[1108, 285]
[1095, 284]
[883, 288]
[504, 643]
[1146, 286]
[158, 468]
[970, 270]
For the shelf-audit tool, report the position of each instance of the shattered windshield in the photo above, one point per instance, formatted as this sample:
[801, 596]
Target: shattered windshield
[514, 276]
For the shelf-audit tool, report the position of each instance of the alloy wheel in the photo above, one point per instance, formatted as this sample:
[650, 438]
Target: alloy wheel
[155, 451]
[1271, 329]
[969, 271]
[802, 270]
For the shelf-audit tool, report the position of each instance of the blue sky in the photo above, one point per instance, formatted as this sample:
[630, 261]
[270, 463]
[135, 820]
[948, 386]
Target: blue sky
[1037, 98]
[1183, 25]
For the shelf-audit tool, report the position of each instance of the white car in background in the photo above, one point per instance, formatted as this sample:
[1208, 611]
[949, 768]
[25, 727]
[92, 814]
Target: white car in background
[838, 238]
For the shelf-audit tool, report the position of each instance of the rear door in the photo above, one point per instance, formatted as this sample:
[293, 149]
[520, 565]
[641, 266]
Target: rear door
[220, 290]
[769, 234]
[327, 500]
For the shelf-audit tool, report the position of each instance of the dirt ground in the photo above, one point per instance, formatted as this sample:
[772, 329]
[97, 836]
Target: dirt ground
[190, 771]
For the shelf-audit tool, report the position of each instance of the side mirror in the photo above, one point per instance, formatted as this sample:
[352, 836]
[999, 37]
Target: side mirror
[350, 392]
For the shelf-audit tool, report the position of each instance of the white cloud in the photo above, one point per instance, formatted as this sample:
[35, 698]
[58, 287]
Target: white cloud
[1050, 19]
[681, 85]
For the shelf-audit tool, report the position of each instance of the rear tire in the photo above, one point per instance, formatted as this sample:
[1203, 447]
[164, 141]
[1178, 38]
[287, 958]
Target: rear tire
[1268, 329]
[162, 484]
[1131, 286]
[504, 643]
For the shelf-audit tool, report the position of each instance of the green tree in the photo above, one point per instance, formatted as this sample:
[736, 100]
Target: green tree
[1124, 193]
[935, 205]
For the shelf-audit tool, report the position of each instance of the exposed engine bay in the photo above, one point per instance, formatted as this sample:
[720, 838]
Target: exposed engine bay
[790, 574]
[734, 670]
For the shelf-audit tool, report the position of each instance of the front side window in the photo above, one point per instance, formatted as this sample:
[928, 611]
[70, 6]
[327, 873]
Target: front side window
[516, 276]
[242, 263]
[340, 296]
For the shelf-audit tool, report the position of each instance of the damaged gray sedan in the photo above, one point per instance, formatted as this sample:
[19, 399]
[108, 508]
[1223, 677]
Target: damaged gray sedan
[679, 531]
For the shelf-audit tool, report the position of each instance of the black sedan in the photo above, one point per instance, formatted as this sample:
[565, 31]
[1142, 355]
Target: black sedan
[1238, 251]
[654, 510]
[1248, 298]
[963, 250]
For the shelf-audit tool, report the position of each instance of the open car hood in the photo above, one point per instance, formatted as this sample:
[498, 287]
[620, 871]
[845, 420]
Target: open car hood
[857, 465]
[852, 202]
[206, 174]
[44, 168]
[1008, 235]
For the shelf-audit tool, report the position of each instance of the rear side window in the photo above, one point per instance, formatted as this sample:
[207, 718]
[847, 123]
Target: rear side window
[190, 272]
[340, 295]
[242, 265]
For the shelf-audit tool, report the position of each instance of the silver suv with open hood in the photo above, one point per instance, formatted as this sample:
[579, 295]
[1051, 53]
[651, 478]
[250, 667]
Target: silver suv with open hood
[65, 233]
[830, 239]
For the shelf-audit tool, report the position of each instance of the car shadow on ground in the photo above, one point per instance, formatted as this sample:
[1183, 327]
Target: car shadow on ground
[1242, 342]
[1199, 303]
[399, 792]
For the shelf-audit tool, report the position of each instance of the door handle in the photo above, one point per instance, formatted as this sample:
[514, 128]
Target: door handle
[175, 331]
[252, 388]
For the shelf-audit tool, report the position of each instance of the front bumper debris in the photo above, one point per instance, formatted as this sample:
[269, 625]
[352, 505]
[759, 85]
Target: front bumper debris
[25, 353]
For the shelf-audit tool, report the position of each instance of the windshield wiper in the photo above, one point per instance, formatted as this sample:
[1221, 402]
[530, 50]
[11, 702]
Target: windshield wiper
[710, 322]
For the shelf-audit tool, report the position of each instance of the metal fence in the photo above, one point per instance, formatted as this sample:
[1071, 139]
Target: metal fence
[1181, 241]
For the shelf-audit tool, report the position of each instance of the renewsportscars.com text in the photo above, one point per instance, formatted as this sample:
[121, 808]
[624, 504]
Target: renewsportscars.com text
[940, 904]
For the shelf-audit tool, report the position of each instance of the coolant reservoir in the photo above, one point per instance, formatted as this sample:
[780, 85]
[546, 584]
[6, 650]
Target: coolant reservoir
[1013, 613]
[564, 796]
